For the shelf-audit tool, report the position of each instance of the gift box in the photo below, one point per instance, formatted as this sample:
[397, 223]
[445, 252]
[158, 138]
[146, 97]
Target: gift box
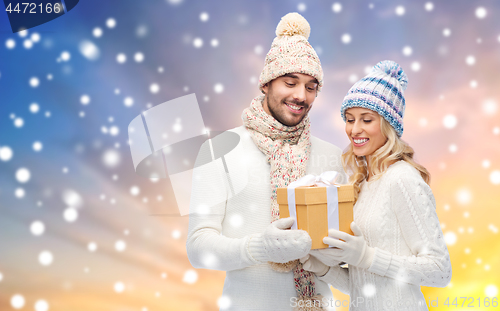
[317, 208]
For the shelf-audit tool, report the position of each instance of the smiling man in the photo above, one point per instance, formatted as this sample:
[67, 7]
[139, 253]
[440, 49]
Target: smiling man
[243, 235]
[279, 98]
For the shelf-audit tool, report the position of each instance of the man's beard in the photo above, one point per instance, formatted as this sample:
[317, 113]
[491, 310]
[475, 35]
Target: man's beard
[275, 115]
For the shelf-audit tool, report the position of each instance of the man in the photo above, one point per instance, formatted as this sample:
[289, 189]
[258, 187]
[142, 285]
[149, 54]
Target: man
[240, 232]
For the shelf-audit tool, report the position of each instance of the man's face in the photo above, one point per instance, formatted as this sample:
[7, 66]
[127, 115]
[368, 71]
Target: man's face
[290, 97]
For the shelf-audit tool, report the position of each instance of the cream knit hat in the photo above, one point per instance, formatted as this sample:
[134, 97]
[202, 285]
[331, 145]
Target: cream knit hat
[291, 52]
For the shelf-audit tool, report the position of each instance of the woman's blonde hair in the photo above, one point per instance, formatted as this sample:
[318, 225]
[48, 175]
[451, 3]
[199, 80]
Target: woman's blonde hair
[394, 149]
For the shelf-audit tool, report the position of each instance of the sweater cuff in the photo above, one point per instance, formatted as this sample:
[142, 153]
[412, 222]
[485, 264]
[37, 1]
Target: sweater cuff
[332, 278]
[329, 276]
[381, 262]
[255, 249]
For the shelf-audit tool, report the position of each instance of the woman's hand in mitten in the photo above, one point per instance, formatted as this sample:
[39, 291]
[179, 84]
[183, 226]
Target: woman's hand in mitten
[313, 264]
[353, 250]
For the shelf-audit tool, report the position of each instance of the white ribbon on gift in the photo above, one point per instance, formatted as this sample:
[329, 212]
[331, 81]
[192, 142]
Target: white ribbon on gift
[326, 179]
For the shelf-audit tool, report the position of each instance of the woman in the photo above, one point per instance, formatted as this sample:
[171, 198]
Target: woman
[398, 245]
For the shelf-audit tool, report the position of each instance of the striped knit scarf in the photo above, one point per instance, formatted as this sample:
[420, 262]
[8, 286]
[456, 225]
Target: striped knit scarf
[287, 149]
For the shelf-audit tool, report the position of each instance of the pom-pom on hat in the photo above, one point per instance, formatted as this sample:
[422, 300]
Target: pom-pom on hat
[291, 52]
[381, 91]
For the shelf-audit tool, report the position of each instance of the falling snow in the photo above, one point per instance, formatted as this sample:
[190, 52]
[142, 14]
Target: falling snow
[369, 290]
[495, 177]
[139, 57]
[85, 99]
[463, 196]
[134, 190]
[111, 22]
[120, 245]
[415, 66]
[204, 17]
[224, 302]
[45, 258]
[10, 44]
[97, 32]
[89, 50]
[92, 247]
[400, 10]
[453, 148]
[450, 121]
[72, 198]
[128, 101]
[121, 58]
[450, 238]
[34, 82]
[6, 153]
[218, 88]
[490, 107]
[190, 277]
[176, 234]
[17, 301]
[407, 51]
[481, 12]
[337, 7]
[119, 287]
[41, 305]
[470, 60]
[117, 55]
[346, 38]
[19, 193]
[65, 56]
[154, 88]
[37, 228]
[258, 49]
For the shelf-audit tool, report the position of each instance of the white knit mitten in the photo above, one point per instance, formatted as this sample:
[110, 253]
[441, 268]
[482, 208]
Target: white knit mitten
[313, 264]
[277, 244]
[326, 256]
[352, 250]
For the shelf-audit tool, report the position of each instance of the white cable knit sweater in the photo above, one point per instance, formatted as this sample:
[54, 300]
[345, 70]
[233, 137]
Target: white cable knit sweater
[397, 214]
[220, 229]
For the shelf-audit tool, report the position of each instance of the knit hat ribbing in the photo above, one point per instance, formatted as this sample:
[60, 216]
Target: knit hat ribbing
[291, 52]
[381, 91]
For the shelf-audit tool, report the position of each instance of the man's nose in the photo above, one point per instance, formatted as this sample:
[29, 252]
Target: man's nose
[299, 94]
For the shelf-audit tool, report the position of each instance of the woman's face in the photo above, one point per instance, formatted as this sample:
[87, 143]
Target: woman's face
[363, 129]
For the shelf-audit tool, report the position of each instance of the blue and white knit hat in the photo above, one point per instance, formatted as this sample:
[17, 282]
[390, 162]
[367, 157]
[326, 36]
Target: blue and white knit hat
[381, 91]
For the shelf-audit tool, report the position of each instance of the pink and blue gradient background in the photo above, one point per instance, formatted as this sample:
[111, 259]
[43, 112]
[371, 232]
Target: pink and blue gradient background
[468, 199]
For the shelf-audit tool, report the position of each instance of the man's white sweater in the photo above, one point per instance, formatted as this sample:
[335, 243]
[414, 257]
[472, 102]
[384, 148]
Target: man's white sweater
[230, 202]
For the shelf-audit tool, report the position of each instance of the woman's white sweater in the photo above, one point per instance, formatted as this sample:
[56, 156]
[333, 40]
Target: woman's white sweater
[397, 214]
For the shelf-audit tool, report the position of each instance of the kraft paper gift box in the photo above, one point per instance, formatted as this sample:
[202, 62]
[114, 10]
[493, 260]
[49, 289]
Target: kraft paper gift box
[312, 211]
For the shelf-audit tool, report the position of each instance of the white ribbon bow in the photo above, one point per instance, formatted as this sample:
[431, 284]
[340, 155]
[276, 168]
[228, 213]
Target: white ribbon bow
[326, 179]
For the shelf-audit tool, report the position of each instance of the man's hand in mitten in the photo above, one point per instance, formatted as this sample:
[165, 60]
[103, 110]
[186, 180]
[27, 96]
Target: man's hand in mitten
[278, 244]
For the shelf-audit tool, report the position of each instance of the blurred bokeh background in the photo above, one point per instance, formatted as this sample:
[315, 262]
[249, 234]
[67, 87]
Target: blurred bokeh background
[80, 231]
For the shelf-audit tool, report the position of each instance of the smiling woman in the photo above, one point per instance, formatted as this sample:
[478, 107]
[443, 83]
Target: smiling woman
[398, 244]
[373, 110]
[364, 131]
